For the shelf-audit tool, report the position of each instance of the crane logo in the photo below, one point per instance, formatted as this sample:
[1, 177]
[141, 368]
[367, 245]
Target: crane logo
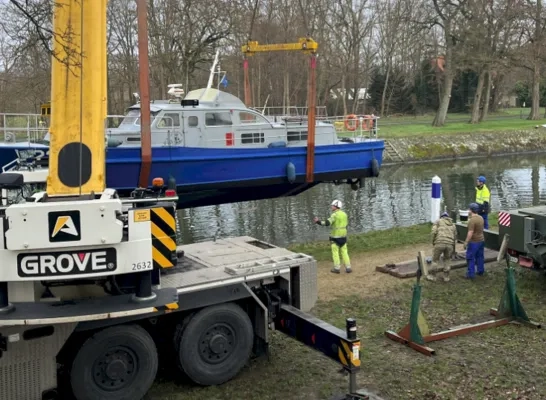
[64, 226]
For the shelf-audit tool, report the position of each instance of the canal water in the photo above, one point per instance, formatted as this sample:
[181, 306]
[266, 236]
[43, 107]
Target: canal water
[399, 197]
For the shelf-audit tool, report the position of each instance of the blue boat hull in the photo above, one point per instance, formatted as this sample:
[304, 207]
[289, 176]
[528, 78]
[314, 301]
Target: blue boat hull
[207, 176]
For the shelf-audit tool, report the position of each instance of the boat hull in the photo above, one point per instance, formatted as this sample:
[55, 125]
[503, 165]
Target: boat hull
[207, 176]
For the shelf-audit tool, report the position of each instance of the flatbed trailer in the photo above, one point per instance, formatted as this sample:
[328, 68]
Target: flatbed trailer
[213, 309]
[527, 230]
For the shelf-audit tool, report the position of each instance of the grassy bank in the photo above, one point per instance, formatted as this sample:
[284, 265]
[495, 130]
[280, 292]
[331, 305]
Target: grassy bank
[500, 363]
[412, 126]
[377, 240]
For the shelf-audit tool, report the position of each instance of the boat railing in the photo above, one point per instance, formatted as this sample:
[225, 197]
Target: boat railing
[293, 130]
[289, 111]
[16, 127]
[33, 128]
[354, 126]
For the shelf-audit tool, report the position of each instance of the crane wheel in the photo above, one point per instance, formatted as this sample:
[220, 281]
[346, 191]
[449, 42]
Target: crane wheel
[215, 344]
[116, 363]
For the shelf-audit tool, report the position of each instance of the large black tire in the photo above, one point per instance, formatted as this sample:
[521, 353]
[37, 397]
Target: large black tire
[116, 363]
[215, 344]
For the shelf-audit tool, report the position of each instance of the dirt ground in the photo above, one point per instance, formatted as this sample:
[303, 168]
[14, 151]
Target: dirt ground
[365, 280]
[502, 363]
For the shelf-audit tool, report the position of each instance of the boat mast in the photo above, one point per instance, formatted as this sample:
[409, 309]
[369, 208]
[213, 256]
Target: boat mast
[213, 70]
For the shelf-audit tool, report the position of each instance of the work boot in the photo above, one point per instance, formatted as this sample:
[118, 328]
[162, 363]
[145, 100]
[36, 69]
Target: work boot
[431, 277]
[446, 276]
[348, 269]
[336, 269]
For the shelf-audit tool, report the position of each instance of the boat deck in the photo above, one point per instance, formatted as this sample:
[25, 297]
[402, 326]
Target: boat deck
[228, 261]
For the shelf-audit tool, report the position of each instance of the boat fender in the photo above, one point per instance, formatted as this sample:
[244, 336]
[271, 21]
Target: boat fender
[280, 143]
[291, 172]
[361, 182]
[375, 168]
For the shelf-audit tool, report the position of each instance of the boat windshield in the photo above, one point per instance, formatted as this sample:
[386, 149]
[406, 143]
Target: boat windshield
[133, 117]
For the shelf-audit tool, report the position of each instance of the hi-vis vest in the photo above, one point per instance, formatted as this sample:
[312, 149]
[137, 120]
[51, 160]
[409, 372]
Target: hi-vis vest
[483, 195]
[338, 222]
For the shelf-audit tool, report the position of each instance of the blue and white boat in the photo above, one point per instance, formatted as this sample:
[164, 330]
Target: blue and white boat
[220, 151]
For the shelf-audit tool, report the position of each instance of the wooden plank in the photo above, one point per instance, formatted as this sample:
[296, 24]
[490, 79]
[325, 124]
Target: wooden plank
[408, 269]
[422, 258]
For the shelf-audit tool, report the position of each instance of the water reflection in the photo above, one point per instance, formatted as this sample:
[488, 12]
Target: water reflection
[400, 197]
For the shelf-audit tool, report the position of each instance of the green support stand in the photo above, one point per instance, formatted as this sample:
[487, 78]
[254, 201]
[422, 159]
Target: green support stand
[416, 333]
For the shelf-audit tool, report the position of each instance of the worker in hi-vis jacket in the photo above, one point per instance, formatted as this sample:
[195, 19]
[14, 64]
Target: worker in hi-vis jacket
[338, 236]
[483, 199]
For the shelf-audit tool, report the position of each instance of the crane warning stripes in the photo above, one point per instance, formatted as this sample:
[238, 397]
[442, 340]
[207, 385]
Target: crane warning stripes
[163, 236]
[504, 218]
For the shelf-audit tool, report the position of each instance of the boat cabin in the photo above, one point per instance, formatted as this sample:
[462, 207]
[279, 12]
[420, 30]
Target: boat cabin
[214, 119]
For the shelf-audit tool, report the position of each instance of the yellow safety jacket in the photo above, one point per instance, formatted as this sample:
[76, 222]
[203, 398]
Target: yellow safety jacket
[338, 221]
[482, 195]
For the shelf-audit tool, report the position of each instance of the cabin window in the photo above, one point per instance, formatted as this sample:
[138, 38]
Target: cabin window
[169, 120]
[133, 117]
[218, 119]
[249, 138]
[250, 118]
[133, 139]
[193, 121]
[295, 136]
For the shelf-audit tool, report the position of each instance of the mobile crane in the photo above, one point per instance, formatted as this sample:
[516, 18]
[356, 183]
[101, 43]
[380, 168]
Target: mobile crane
[92, 285]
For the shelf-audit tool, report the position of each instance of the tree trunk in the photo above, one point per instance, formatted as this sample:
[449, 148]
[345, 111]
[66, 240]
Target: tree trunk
[487, 97]
[286, 94]
[535, 97]
[497, 92]
[384, 95]
[445, 97]
[344, 94]
[475, 116]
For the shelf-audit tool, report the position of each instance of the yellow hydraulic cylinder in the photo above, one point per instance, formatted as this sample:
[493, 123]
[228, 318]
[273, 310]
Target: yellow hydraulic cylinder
[77, 159]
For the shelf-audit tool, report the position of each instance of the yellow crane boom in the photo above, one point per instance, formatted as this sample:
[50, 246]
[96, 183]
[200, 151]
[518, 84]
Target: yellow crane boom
[78, 98]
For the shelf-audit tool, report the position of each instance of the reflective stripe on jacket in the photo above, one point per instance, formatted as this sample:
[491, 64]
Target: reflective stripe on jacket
[338, 221]
[482, 195]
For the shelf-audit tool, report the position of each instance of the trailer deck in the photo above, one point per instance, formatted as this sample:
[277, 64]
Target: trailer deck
[203, 270]
[227, 261]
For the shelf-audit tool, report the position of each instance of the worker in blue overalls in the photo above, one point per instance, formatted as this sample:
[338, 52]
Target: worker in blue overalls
[483, 199]
[474, 243]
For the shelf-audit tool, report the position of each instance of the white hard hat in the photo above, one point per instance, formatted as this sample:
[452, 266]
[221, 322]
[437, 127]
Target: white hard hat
[337, 203]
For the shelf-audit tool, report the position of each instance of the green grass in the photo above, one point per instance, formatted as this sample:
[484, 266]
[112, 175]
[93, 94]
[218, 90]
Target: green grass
[500, 363]
[406, 126]
[377, 240]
